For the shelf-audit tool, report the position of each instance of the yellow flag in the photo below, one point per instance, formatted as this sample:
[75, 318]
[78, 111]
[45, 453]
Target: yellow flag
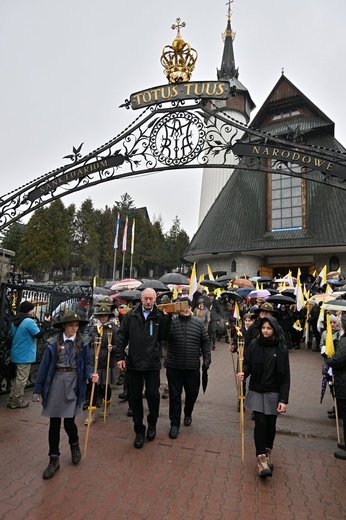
[210, 274]
[323, 276]
[296, 325]
[299, 295]
[201, 277]
[320, 321]
[193, 282]
[329, 290]
[175, 294]
[99, 329]
[330, 351]
[94, 281]
[236, 313]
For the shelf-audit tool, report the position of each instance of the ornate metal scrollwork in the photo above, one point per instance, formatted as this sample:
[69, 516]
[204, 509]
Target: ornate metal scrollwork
[181, 134]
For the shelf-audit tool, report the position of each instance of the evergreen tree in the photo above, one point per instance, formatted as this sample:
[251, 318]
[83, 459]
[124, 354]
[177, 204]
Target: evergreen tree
[87, 239]
[177, 243]
[12, 236]
[34, 252]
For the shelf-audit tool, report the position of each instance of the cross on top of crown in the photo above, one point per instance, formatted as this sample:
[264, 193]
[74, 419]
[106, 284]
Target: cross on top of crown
[179, 25]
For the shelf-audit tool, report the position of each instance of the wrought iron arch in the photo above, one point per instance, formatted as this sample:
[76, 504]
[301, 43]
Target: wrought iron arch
[174, 135]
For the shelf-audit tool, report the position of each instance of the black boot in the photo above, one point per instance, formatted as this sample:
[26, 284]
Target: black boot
[52, 467]
[75, 453]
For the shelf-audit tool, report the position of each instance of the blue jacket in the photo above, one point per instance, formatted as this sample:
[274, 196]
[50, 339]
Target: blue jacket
[23, 349]
[47, 368]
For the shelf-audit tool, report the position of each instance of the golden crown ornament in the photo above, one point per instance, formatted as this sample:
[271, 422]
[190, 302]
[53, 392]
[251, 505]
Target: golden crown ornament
[178, 59]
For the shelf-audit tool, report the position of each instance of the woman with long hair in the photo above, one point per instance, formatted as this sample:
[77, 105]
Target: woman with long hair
[266, 361]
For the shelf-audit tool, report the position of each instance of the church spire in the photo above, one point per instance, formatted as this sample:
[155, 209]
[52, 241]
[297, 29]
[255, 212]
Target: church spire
[228, 69]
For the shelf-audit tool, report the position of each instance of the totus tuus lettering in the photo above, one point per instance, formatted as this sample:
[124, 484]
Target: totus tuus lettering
[180, 91]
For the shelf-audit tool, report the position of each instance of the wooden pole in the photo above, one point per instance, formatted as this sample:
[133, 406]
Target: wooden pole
[109, 339]
[97, 346]
[241, 395]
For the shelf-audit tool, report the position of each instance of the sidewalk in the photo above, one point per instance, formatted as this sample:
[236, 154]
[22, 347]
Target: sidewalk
[198, 476]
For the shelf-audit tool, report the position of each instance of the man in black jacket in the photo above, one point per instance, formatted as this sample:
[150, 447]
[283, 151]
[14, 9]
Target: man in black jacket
[188, 340]
[140, 333]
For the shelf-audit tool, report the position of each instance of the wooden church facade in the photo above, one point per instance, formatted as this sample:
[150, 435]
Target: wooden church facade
[265, 223]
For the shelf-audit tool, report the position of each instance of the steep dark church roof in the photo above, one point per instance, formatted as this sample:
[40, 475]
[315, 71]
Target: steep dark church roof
[229, 72]
[237, 221]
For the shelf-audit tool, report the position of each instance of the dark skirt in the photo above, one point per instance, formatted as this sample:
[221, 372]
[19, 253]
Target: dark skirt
[62, 400]
[266, 403]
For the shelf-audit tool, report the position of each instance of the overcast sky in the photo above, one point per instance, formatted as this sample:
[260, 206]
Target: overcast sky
[67, 65]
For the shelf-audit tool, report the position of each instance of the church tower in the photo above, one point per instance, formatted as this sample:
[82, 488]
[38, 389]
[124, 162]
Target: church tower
[238, 106]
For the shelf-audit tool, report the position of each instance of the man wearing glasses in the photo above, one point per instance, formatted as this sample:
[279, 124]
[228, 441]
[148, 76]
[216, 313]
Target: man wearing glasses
[140, 333]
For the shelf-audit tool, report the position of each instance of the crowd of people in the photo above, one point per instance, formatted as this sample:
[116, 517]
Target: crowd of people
[84, 356]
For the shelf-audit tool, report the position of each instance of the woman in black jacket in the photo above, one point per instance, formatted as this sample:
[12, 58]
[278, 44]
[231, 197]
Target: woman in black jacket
[338, 364]
[266, 360]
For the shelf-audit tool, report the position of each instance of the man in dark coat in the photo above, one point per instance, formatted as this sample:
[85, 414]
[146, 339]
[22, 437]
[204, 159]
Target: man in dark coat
[188, 340]
[140, 333]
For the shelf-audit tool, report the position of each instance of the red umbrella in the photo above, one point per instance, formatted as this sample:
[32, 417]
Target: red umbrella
[242, 282]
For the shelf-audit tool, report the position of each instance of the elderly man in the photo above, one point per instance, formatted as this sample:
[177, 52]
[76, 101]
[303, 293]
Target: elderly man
[188, 341]
[140, 333]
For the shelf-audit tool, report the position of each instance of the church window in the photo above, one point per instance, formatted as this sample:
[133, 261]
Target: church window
[286, 203]
[285, 115]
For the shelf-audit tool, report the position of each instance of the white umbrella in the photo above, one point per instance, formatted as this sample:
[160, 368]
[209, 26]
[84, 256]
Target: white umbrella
[126, 283]
[259, 293]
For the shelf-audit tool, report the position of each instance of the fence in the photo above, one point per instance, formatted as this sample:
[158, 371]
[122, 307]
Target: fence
[49, 299]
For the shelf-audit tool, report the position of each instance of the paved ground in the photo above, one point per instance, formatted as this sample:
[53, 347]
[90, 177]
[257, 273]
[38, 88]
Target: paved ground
[199, 476]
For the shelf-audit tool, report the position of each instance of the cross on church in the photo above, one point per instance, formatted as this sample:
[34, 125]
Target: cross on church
[229, 4]
[178, 26]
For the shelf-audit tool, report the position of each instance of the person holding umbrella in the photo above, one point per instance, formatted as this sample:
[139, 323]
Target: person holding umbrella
[188, 339]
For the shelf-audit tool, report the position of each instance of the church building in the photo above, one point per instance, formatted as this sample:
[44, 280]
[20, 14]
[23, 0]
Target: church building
[257, 223]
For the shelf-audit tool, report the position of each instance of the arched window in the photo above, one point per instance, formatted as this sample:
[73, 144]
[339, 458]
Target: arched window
[233, 266]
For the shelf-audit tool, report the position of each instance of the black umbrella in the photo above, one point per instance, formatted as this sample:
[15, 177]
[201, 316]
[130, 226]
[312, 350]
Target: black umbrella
[174, 278]
[273, 291]
[211, 284]
[153, 284]
[262, 279]
[225, 278]
[324, 385]
[288, 292]
[101, 290]
[280, 299]
[129, 295]
[232, 296]
[204, 378]
[219, 273]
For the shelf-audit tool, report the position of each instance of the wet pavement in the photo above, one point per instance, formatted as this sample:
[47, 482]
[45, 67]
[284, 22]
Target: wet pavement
[198, 476]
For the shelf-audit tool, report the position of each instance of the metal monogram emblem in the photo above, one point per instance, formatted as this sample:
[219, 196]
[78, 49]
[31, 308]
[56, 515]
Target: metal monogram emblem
[177, 138]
